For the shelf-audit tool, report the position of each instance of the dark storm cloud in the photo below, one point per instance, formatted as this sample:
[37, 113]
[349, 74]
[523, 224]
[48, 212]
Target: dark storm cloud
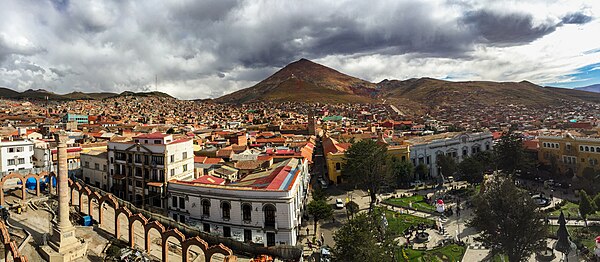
[114, 45]
[576, 18]
[512, 28]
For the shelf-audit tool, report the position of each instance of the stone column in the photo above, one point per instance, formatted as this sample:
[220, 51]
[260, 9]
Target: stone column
[63, 183]
[63, 245]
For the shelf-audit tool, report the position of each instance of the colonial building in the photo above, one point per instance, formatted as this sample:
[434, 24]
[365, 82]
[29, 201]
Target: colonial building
[94, 166]
[263, 208]
[572, 155]
[425, 149]
[16, 155]
[139, 169]
[334, 155]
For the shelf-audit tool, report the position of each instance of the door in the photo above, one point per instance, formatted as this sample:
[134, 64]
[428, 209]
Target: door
[247, 235]
[270, 239]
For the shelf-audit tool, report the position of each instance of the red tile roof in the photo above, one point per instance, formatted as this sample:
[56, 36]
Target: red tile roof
[155, 135]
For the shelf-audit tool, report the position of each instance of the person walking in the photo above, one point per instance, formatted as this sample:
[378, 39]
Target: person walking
[307, 230]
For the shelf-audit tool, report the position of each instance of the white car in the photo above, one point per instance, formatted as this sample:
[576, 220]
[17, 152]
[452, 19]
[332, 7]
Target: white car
[339, 203]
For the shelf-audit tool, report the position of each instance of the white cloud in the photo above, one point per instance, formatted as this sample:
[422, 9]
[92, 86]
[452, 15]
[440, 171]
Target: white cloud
[209, 48]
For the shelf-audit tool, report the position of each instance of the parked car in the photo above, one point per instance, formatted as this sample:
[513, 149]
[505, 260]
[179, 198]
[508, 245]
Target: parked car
[339, 203]
[417, 183]
[323, 183]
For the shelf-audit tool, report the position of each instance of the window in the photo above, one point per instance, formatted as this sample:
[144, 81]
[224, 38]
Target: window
[184, 167]
[226, 231]
[206, 227]
[592, 149]
[206, 207]
[175, 217]
[172, 158]
[156, 142]
[465, 152]
[269, 212]
[181, 202]
[173, 172]
[11, 162]
[21, 161]
[587, 149]
[428, 160]
[174, 204]
[138, 158]
[138, 183]
[96, 166]
[338, 166]
[226, 209]
[20, 149]
[247, 235]
[246, 212]
[182, 218]
[580, 148]
[11, 150]
[158, 160]
[184, 155]
[103, 167]
[86, 164]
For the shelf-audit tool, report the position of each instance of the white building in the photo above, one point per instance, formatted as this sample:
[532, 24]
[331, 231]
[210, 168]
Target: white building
[425, 149]
[94, 167]
[264, 208]
[16, 155]
[139, 169]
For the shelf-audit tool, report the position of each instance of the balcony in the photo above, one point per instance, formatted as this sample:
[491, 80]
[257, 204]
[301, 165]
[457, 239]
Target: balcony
[272, 225]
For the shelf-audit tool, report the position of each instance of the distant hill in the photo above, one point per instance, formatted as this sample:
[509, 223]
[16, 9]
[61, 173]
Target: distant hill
[593, 88]
[306, 81]
[41, 94]
[431, 92]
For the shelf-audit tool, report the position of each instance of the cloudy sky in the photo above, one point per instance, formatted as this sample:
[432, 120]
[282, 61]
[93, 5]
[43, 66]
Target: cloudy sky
[200, 49]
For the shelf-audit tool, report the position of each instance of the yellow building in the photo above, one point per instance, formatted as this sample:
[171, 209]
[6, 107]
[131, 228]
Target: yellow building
[334, 156]
[571, 155]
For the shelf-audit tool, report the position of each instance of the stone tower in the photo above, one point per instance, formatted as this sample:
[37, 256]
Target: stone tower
[63, 245]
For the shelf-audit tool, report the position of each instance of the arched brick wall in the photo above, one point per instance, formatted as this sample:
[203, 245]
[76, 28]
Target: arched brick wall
[165, 246]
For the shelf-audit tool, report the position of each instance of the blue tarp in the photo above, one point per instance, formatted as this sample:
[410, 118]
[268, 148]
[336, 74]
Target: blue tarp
[86, 221]
[31, 183]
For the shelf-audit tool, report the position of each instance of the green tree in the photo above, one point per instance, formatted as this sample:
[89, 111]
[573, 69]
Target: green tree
[319, 194]
[597, 201]
[351, 209]
[421, 171]
[319, 210]
[446, 164]
[471, 170]
[363, 239]
[586, 206]
[508, 219]
[510, 153]
[366, 166]
[487, 159]
[402, 171]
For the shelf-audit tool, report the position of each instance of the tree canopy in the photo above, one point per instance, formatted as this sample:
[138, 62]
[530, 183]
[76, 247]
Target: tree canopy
[319, 210]
[363, 239]
[509, 220]
[447, 164]
[401, 171]
[471, 170]
[366, 165]
[586, 205]
[510, 153]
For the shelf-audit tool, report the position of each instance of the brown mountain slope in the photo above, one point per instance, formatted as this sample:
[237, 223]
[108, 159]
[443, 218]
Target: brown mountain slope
[432, 92]
[306, 81]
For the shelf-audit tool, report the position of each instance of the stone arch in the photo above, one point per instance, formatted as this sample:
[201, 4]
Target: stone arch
[219, 249]
[152, 225]
[132, 219]
[91, 197]
[84, 205]
[75, 188]
[175, 233]
[110, 200]
[121, 211]
[193, 242]
[11, 176]
[37, 182]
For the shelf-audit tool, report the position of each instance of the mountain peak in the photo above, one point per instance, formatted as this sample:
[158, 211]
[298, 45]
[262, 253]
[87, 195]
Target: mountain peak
[304, 80]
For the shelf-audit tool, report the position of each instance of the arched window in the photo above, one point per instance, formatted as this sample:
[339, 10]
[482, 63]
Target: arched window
[592, 149]
[580, 148]
[598, 149]
[206, 207]
[338, 166]
[587, 149]
[246, 212]
[226, 209]
[269, 211]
